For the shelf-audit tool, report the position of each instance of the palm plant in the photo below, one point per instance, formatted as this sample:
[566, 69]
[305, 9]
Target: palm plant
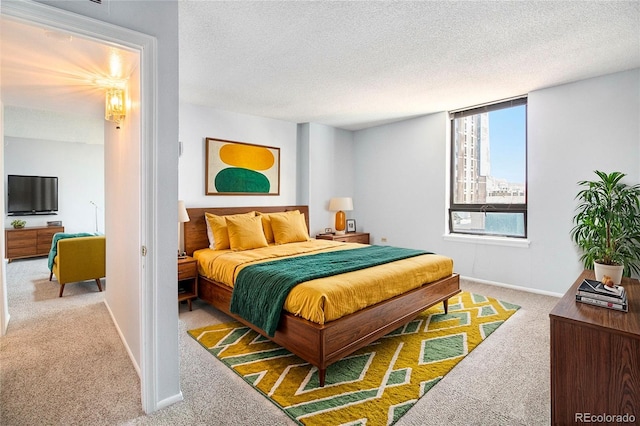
[607, 222]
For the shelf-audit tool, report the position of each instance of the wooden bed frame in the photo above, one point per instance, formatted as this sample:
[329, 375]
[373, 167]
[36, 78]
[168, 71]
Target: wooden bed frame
[320, 345]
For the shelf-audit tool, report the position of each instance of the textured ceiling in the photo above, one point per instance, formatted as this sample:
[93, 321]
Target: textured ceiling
[345, 64]
[357, 64]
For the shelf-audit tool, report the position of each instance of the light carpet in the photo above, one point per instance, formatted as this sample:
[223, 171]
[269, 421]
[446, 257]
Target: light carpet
[377, 384]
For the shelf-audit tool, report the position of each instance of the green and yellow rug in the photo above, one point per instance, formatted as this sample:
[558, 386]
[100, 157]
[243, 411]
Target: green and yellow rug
[377, 384]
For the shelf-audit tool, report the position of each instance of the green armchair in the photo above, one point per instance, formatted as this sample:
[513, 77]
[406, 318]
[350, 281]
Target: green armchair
[79, 259]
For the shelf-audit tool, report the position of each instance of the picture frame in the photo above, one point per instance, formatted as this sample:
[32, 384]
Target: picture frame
[351, 225]
[240, 168]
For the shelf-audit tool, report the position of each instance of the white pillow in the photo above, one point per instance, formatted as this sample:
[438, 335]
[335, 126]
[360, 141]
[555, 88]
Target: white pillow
[212, 240]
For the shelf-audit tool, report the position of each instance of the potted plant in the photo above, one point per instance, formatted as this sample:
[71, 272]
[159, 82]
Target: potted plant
[18, 224]
[607, 226]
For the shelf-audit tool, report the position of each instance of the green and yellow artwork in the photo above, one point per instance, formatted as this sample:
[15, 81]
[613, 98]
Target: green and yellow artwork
[238, 168]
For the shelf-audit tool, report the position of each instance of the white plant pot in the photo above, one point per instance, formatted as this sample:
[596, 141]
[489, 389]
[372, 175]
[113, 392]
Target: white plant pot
[615, 272]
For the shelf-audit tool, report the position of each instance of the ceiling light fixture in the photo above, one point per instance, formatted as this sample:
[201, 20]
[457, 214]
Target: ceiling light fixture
[115, 106]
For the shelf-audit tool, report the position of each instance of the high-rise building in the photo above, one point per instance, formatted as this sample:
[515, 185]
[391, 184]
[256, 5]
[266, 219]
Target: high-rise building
[472, 159]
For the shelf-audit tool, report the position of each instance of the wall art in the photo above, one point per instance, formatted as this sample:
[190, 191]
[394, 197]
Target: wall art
[239, 168]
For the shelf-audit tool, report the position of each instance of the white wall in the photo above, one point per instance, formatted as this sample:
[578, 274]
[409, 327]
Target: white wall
[4, 305]
[124, 240]
[80, 171]
[316, 161]
[198, 123]
[399, 182]
[161, 22]
[575, 129]
[61, 126]
[302, 169]
[69, 146]
[328, 165]
[401, 179]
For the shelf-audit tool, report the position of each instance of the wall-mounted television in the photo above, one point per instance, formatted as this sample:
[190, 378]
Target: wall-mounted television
[29, 195]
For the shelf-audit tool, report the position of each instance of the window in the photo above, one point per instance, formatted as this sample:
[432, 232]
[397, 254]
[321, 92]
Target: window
[489, 170]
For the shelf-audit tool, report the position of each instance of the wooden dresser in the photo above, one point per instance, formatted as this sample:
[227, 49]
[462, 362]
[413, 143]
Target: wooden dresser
[349, 237]
[29, 242]
[595, 358]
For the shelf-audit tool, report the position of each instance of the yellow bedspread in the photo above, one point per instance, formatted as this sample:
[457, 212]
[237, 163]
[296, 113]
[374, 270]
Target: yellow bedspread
[330, 298]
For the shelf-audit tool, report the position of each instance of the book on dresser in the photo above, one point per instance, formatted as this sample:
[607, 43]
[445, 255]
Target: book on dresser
[622, 307]
[595, 293]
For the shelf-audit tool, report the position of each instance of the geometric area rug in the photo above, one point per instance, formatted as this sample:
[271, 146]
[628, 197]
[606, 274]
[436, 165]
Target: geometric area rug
[375, 385]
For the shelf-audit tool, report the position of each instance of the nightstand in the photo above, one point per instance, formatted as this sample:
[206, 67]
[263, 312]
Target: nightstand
[187, 279]
[349, 237]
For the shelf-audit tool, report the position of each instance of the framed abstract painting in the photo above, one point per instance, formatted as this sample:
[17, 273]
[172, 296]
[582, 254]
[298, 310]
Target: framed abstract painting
[239, 168]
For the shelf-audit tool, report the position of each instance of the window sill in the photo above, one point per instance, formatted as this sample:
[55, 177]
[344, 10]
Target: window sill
[493, 241]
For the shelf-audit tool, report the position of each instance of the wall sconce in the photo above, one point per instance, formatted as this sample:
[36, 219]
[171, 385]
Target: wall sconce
[115, 106]
[340, 205]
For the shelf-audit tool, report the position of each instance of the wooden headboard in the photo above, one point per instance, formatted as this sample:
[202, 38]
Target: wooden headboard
[195, 231]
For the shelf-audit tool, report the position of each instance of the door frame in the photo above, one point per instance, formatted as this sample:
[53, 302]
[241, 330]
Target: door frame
[43, 15]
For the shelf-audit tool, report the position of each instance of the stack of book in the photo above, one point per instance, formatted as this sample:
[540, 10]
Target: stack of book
[595, 293]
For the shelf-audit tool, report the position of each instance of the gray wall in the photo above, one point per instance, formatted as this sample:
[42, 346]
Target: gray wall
[316, 161]
[198, 123]
[159, 21]
[80, 171]
[328, 168]
[401, 179]
[397, 175]
[69, 146]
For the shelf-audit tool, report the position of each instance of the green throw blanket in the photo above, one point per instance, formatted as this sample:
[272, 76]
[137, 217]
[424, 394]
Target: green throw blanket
[260, 290]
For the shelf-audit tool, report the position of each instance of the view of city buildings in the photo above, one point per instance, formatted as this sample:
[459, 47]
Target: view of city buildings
[475, 183]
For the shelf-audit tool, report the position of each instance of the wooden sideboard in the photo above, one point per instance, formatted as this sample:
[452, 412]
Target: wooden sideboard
[29, 242]
[595, 358]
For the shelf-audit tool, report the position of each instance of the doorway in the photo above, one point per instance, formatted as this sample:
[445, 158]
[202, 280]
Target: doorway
[130, 203]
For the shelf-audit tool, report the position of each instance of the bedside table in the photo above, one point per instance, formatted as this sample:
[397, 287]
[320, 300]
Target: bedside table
[349, 237]
[187, 280]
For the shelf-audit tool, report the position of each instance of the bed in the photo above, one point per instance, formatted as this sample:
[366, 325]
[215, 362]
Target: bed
[319, 344]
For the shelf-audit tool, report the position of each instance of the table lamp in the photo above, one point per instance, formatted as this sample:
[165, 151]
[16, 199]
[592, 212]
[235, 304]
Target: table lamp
[183, 217]
[340, 205]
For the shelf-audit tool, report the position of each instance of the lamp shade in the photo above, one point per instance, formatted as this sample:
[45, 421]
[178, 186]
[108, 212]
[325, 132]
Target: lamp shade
[341, 204]
[183, 216]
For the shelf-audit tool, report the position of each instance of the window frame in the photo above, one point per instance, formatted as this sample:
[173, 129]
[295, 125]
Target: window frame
[487, 207]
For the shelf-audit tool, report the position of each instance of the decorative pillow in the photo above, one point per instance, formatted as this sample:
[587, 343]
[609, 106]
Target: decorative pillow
[218, 226]
[266, 222]
[212, 240]
[289, 228]
[245, 233]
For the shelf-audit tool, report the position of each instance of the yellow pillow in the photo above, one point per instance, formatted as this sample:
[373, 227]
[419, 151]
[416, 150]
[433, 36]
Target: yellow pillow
[218, 226]
[266, 222]
[289, 228]
[245, 233]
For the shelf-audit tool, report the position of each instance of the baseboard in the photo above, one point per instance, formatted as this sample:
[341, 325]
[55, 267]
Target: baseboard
[169, 401]
[514, 287]
[124, 341]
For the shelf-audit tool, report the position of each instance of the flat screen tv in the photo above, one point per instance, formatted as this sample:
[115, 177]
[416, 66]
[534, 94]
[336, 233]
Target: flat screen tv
[28, 195]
